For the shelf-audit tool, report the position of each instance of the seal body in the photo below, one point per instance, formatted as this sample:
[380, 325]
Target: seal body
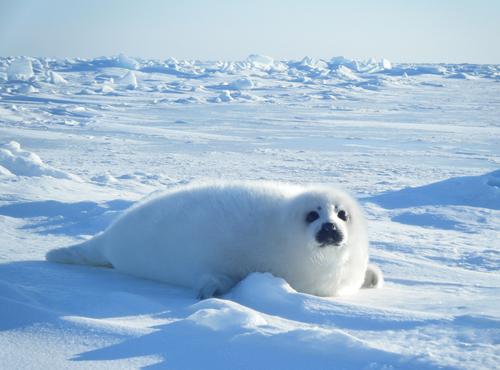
[209, 236]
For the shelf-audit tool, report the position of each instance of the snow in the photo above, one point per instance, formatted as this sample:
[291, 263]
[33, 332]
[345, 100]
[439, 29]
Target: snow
[416, 143]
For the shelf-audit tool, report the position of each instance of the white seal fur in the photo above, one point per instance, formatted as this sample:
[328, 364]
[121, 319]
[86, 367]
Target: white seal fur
[210, 236]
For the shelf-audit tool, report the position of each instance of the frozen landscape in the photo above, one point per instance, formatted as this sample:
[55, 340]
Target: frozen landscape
[81, 140]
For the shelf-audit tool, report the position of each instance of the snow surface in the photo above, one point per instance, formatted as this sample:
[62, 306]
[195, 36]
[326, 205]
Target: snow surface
[82, 140]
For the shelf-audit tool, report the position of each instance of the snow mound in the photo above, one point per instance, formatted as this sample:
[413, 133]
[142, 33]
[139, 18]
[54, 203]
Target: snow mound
[280, 343]
[270, 288]
[242, 84]
[475, 191]
[228, 316]
[20, 70]
[24, 163]
[124, 318]
[129, 80]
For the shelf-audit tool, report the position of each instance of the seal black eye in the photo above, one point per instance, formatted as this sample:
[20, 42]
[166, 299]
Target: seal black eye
[342, 215]
[312, 216]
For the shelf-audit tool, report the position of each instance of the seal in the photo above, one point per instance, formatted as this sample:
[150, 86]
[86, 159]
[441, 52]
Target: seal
[209, 236]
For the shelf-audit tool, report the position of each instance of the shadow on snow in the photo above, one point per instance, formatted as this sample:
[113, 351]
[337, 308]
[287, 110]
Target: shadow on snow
[54, 217]
[474, 191]
[45, 294]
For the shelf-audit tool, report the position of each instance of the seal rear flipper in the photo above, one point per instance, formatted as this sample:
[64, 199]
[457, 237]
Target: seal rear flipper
[214, 285]
[373, 277]
[86, 253]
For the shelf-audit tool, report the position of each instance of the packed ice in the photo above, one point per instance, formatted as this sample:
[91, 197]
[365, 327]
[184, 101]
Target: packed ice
[82, 140]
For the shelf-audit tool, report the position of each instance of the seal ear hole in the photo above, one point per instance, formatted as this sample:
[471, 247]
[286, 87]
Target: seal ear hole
[342, 215]
[312, 216]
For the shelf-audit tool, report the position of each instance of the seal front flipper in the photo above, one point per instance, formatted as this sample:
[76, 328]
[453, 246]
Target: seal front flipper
[87, 253]
[373, 277]
[214, 285]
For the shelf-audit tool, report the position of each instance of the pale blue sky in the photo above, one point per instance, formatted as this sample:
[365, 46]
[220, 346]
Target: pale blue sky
[405, 31]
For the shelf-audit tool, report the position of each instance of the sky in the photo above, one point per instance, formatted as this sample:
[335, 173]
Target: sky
[453, 31]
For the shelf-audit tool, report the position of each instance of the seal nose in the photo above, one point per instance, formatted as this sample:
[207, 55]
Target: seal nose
[328, 227]
[329, 234]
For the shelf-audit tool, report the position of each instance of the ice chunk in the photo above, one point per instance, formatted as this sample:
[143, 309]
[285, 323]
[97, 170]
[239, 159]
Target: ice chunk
[385, 63]
[242, 84]
[27, 89]
[86, 92]
[368, 66]
[106, 89]
[346, 73]
[341, 61]
[462, 76]
[5, 172]
[260, 61]
[311, 63]
[171, 60]
[69, 122]
[373, 65]
[225, 96]
[129, 80]
[56, 79]
[124, 61]
[20, 70]
[104, 179]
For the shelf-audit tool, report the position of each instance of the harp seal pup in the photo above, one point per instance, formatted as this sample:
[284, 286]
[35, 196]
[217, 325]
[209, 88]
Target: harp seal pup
[209, 236]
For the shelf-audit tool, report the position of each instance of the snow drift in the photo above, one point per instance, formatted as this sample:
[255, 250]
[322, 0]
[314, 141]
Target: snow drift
[25, 163]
